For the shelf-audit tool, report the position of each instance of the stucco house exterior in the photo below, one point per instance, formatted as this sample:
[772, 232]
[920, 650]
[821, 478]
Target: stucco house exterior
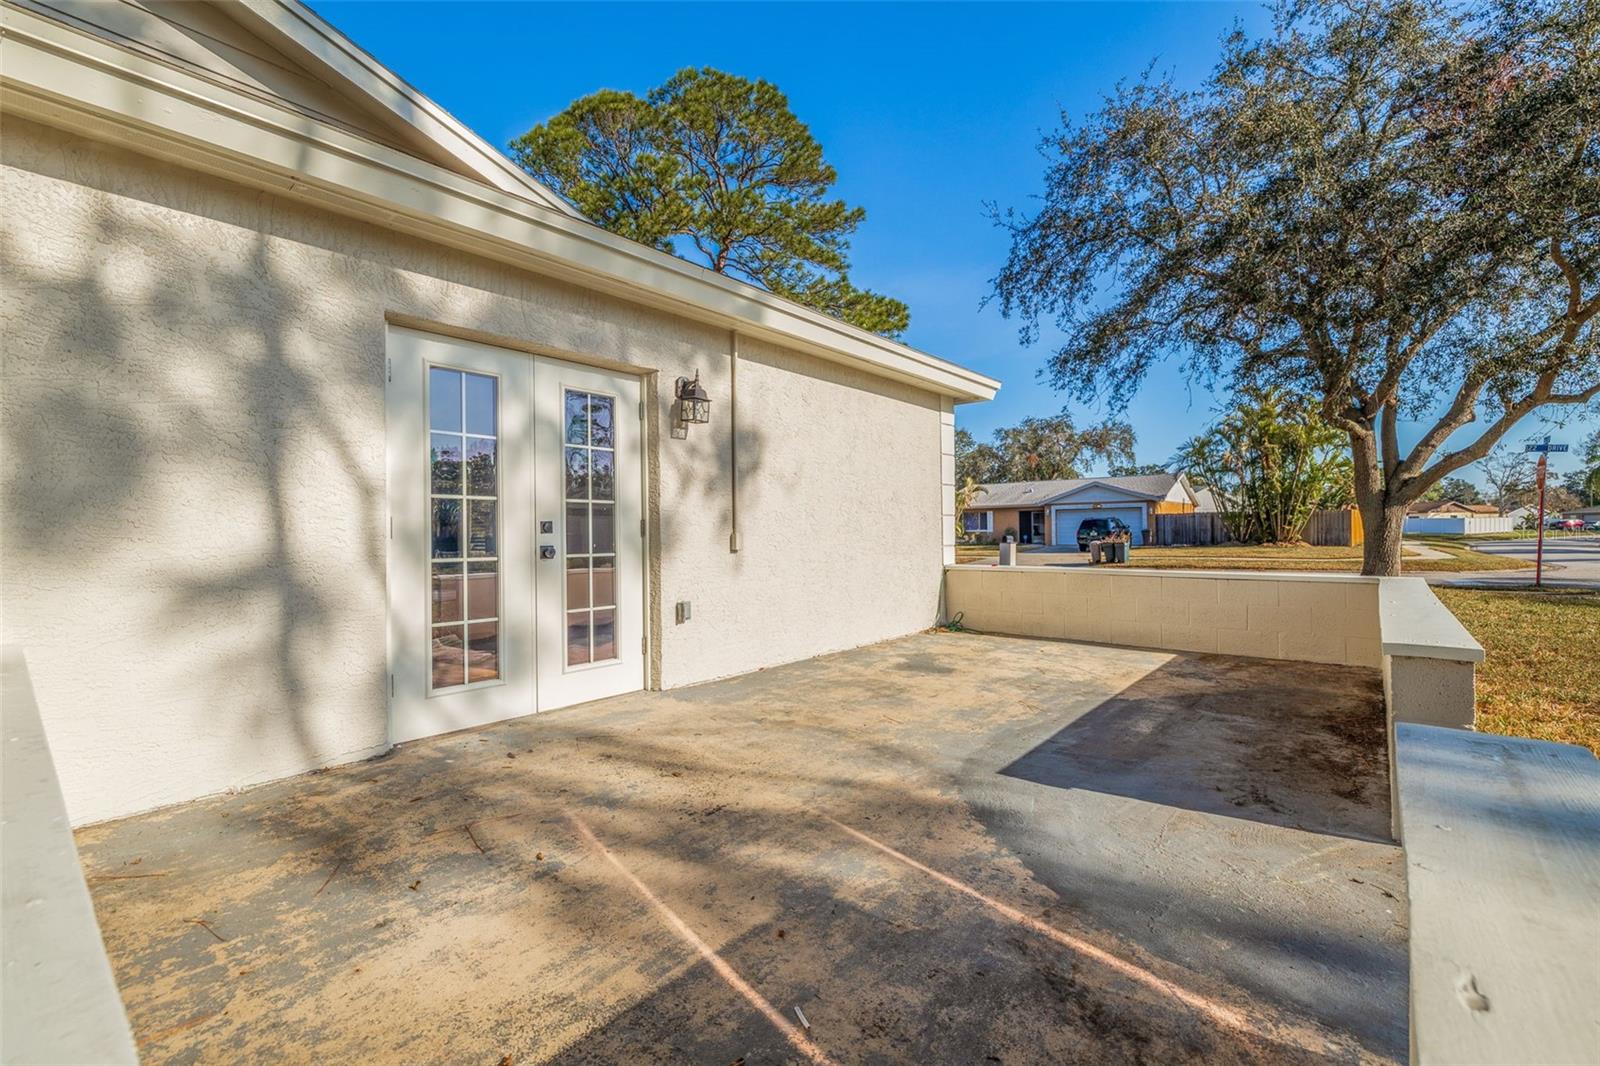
[1049, 512]
[325, 427]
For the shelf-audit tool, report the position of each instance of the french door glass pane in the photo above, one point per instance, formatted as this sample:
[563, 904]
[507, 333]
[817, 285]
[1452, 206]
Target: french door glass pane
[577, 473]
[483, 651]
[449, 665]
[605, 635]
[483, 590]
[577, 638]
[577, 582]
[600, 422]
[602, 476]
[577, 529]
[446, 528]
[463, 490]
[577, 419]
[481, 405]
[444, 399]
[481, 480]
[445, 452]
[605, 527]
[447, 592]
[589, 474]
[605, 594]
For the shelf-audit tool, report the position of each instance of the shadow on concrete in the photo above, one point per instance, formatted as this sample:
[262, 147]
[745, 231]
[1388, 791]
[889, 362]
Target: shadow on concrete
[1298, 748]
[448, 883]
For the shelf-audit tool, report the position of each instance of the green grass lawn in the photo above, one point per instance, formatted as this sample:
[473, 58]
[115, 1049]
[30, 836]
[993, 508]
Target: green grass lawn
[1540, 676]
[1284, 557]
[1308, 557]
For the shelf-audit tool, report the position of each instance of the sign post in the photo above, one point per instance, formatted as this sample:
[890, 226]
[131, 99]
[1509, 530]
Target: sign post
[1544, 448]
[1538, 552]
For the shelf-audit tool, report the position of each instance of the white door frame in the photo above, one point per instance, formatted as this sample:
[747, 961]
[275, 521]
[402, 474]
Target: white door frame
[533, 675]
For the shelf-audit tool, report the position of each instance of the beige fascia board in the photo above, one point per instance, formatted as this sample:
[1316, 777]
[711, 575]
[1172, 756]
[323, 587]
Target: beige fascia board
[298, 31]
[60, 76]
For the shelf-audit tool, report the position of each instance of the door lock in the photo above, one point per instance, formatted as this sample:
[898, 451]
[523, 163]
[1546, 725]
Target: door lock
[547, 525]
[547, 551]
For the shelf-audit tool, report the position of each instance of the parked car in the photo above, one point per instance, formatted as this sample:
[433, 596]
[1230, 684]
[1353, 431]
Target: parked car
[1098, 529]
[1574, 525]
[1593, 526]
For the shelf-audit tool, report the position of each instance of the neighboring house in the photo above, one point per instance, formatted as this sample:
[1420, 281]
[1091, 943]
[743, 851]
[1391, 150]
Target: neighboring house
[1461, 519]
[1049, 512]
[1205, 501]
[1442, 508]
[327, 428]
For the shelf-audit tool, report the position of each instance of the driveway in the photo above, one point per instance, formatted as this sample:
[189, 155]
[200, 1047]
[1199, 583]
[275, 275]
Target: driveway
[950, 848]
[1570, 562]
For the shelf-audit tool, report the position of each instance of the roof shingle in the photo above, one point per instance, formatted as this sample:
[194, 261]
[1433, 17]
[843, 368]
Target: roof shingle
[1042, 493]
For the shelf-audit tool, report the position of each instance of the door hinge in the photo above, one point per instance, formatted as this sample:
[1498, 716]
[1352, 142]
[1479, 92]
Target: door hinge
[391, 527]
[641, 410]
[389, 371]
[641, 527]
[391, 686]
[644, 645]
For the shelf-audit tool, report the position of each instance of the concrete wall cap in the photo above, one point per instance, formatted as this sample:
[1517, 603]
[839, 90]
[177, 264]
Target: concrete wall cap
[1230, 575]
[60, 998]
[1414, 623]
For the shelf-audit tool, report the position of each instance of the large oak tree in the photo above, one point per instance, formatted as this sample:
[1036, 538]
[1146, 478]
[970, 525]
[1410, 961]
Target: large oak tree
[1390, 207]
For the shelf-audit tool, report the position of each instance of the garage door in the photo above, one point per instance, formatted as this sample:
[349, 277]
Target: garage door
[1067, 521]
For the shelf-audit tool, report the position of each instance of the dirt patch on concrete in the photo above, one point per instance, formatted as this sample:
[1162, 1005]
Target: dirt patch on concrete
[681, 876]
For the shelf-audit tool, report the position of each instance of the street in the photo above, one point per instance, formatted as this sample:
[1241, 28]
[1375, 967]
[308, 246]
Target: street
[1569, 562]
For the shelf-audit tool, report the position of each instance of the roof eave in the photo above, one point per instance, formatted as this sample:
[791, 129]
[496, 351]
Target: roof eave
[55, 74]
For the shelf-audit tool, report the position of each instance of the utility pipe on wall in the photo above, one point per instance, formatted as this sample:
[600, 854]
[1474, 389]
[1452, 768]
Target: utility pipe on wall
[733, 440]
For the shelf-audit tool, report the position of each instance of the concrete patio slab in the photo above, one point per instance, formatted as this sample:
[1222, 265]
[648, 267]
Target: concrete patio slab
[947, 848]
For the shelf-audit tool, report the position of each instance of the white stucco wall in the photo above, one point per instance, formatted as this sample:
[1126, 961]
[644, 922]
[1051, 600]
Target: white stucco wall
[193, 429]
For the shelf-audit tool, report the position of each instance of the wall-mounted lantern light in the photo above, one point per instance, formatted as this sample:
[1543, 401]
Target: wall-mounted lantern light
[694, 406]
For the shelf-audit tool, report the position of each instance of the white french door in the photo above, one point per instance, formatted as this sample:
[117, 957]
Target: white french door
[512, 481]
[589, 578]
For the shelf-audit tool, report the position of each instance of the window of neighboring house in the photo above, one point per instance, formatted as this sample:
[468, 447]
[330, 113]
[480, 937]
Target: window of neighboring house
[978, 521]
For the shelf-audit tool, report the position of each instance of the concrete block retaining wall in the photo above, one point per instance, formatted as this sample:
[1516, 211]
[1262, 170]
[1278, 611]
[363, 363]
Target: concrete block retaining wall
[1322, 618]
[1394, 624]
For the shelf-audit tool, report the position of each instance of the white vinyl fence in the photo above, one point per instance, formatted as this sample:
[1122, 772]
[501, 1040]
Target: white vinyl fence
[1461, 523]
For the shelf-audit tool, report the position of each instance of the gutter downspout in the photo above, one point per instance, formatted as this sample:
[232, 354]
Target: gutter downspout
[733, 440]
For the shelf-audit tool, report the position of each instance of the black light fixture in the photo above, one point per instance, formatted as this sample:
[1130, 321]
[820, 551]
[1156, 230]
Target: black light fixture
[694, 406]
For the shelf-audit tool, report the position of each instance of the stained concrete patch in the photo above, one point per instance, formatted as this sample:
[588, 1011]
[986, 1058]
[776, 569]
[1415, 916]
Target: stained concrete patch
[941, 849]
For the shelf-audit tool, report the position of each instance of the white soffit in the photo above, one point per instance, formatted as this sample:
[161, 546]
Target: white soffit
[55, 74]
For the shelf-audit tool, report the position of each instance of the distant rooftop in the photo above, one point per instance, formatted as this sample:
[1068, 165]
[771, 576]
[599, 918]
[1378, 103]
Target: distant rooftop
[1452, 507]
[1040, 493]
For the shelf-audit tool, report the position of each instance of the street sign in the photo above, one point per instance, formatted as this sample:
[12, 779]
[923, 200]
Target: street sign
[1545, 446]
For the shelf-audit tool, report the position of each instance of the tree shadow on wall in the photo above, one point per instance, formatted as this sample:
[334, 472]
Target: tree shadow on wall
[170, 425]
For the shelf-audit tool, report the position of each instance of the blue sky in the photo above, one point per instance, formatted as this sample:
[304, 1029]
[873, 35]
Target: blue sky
[927, 111]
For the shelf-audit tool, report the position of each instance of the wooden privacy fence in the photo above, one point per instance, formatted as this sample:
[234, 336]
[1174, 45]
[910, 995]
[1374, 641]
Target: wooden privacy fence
[1341, 529]
[1197, 529]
